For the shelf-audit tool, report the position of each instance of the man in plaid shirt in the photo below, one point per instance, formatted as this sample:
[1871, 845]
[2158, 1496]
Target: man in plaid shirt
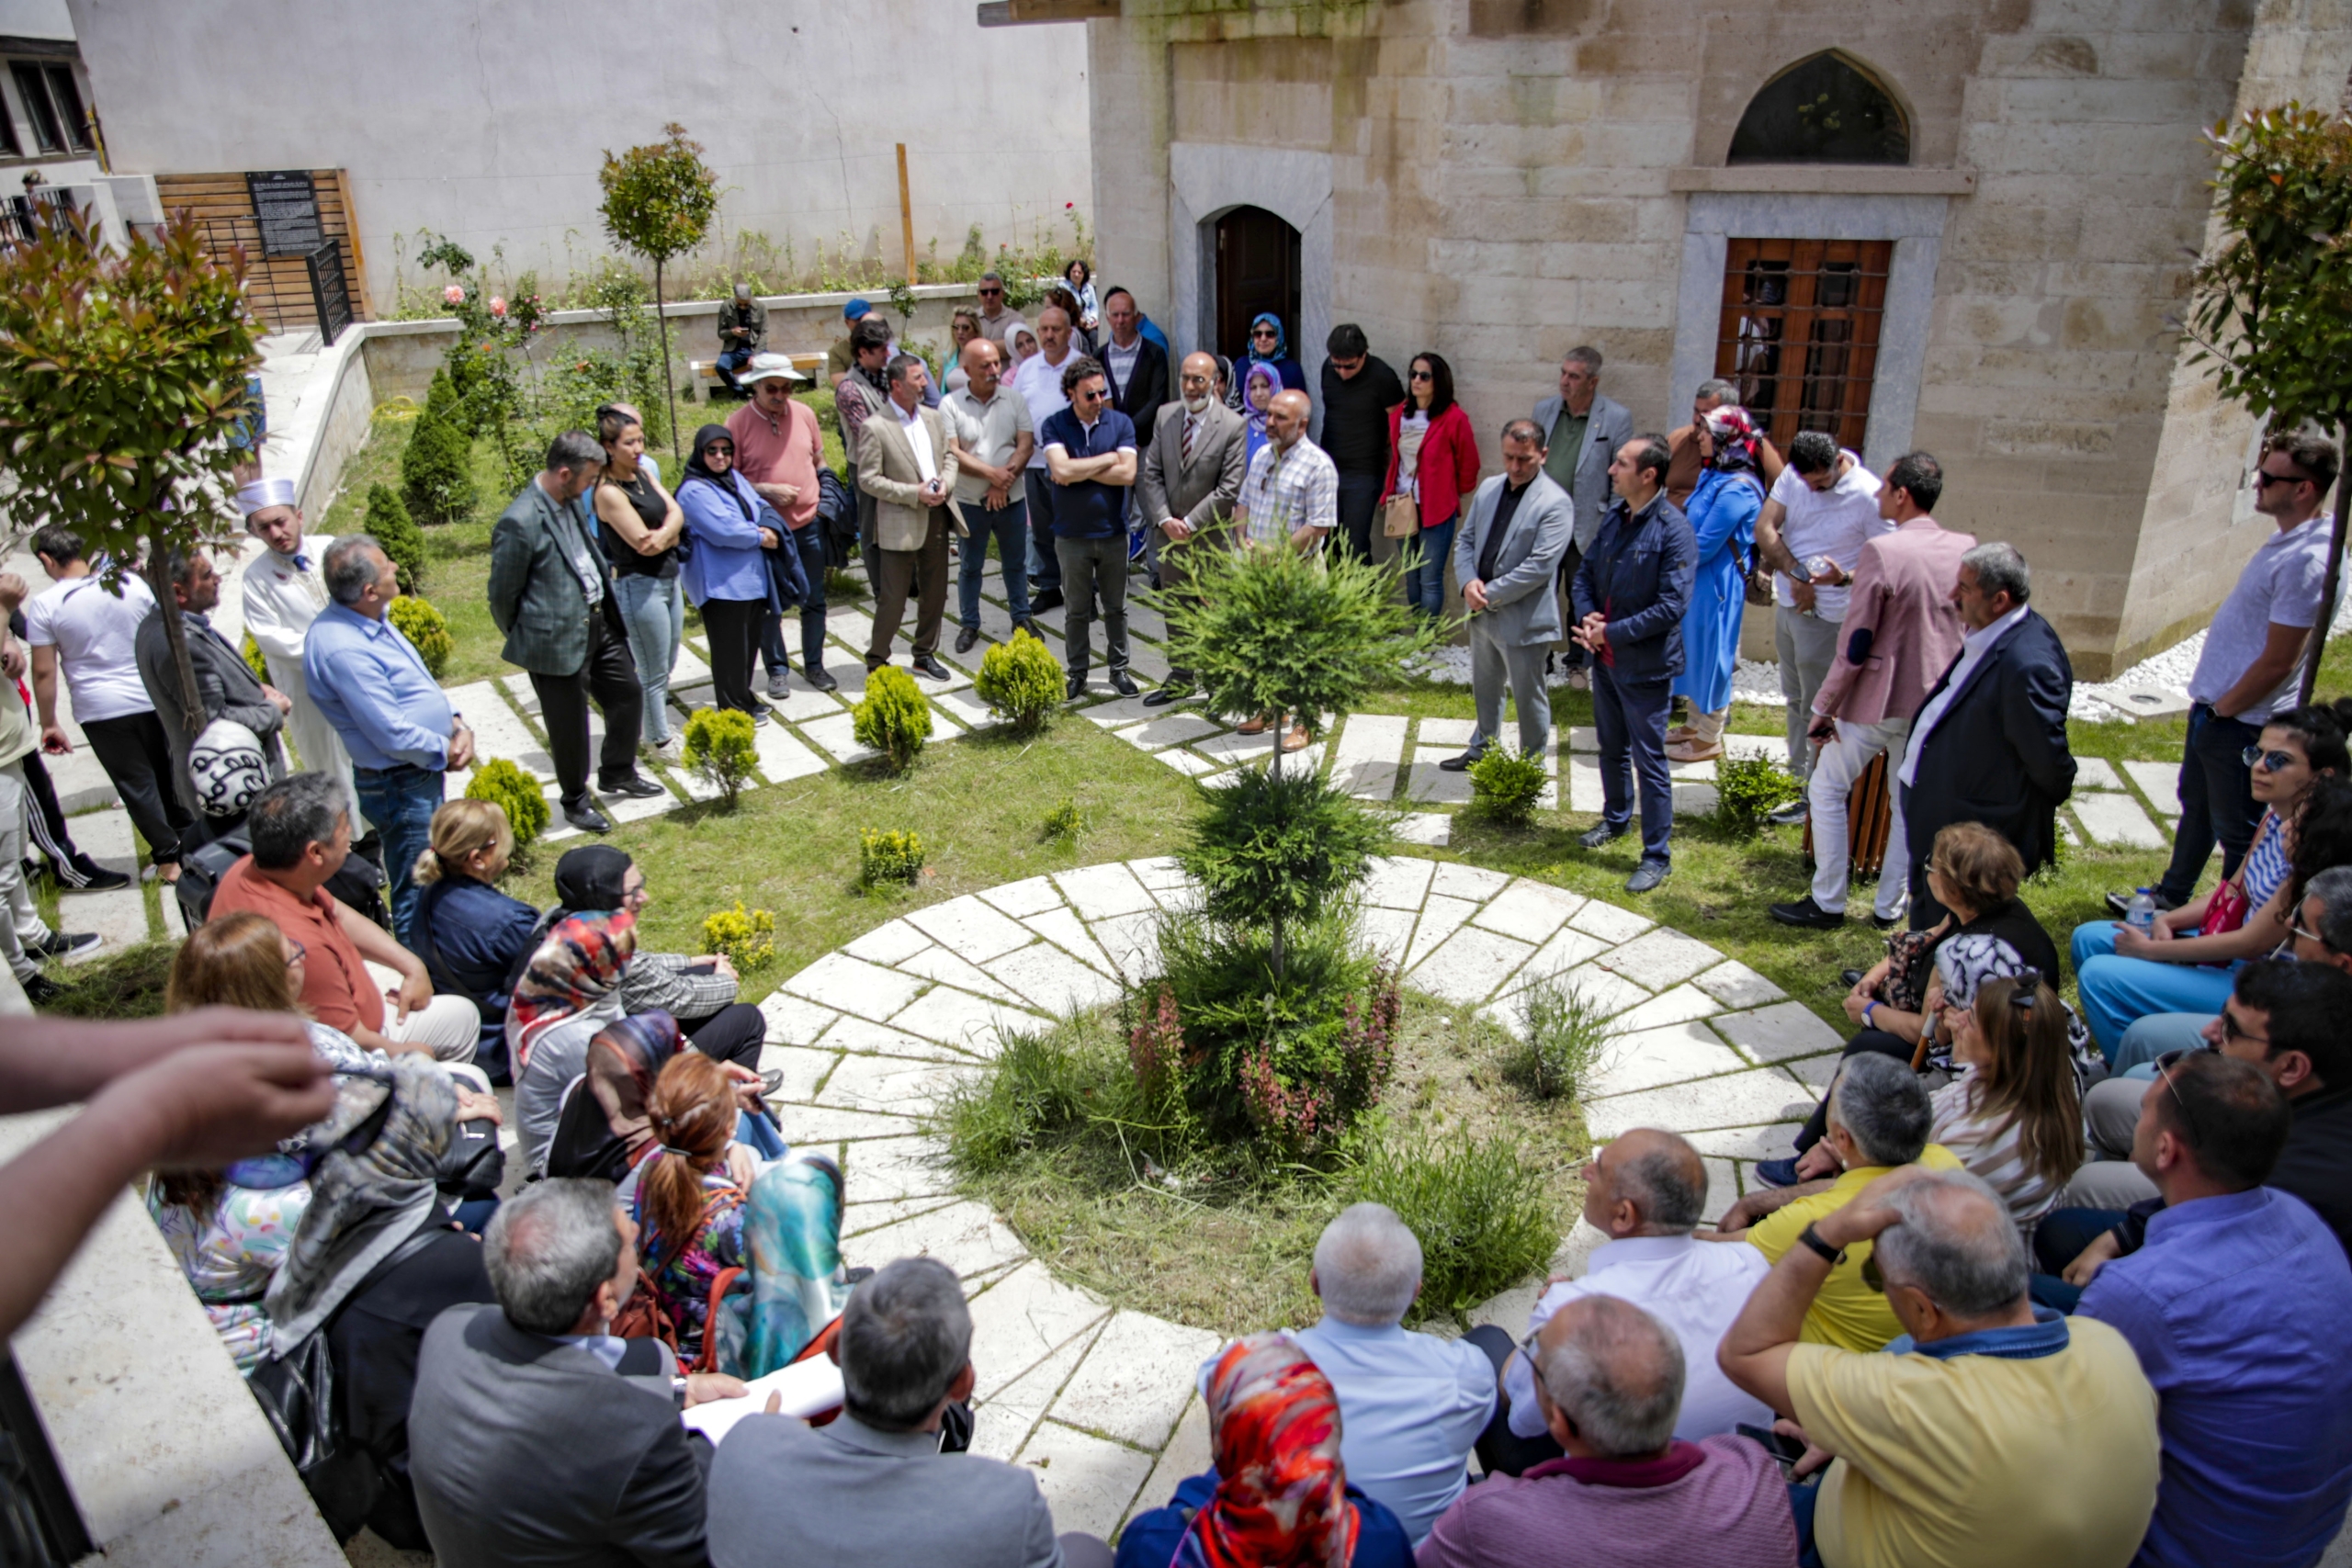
[1293, 489]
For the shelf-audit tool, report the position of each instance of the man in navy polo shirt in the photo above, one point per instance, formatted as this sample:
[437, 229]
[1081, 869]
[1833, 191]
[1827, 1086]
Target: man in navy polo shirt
[1090, 460]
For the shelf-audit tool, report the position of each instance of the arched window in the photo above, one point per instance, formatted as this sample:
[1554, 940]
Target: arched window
[1821, 110]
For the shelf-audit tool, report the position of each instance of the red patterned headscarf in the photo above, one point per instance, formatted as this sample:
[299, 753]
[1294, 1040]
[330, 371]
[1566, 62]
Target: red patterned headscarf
[578, 964]
[1281, 1495]
[1735, 440]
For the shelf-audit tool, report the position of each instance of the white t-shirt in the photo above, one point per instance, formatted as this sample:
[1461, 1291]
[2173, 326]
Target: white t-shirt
[1835, 523]
[95, 635]
[2279, 587]
[1040, 386]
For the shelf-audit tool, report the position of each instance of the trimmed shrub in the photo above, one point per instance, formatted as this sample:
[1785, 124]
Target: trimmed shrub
[746, 936]
[1746, 788]
[403, 540]
[1479, 1210]
[425, 626]
[1065, 822]
[438, 469]
[1022, 680]
[254, 660]
[1505, 784]
[889, 856]
[721, 746]
[894, 719]
[1270, 851]
[514, 792]
[1564, 1032]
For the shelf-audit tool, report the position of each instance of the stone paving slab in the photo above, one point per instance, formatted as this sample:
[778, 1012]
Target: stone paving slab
[1003, 1421]
[1134, 1385]
[1431, 828]
[1469, 965]
[2117, 819]
[1440, 918]
[2096, 772]
[1737, 1100]
[970, 928]
[1780, 1032]
[2160, 782]
[1399, 882]
[962, 1020]
[1662, 958]
[1651, 1057]
[1090, 1484]
[1529, 910]
[1098, 892]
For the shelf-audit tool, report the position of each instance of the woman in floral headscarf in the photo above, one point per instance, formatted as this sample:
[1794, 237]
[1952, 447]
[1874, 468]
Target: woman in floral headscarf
[571, 989]
[1278, 1496]
[1723, 514]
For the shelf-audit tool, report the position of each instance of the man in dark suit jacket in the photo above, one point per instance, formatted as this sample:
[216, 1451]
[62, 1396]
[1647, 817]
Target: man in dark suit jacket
[1990, 742]
[1136, 366]
[1185, 489]
[536, 1439]
[225, 684]
[549, 594]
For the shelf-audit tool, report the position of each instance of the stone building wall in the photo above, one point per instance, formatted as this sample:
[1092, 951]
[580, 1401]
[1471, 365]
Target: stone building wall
[1502, 179]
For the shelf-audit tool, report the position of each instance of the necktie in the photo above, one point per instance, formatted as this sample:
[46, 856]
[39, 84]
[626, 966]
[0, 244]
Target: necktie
[302, 563]
[1192, 423]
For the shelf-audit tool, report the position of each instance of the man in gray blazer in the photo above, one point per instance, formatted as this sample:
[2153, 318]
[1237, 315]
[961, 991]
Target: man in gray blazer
[549, 594]
[1506, 558]
[1192, 471]
[873, 1486]
[535, 1438]
[225, 684]
[1582, 430]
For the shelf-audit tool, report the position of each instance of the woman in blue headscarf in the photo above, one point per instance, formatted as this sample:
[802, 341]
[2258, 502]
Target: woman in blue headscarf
[1269, 347]
[1723, 510]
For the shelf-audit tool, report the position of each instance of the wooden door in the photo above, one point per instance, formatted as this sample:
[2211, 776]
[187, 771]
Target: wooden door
[1257, 271]
[1799, 332]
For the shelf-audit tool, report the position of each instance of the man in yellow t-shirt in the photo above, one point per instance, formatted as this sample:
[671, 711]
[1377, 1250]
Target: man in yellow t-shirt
[1878, 1120]
[1990, 1432]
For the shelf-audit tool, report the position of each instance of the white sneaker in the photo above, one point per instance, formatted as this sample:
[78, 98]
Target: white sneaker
[673, 750]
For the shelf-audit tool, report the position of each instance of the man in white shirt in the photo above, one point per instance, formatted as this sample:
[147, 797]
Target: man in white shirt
[1824, 507]
[1645, 1190]
[990, 427]
[906, 462]
[284, 591]
[2251, 666]
[90, 633]
[1039, 382]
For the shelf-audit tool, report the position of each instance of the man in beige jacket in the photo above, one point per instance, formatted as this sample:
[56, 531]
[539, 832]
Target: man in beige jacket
[907, 464]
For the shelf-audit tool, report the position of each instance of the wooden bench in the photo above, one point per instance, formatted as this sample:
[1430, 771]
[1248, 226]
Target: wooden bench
[809, 365]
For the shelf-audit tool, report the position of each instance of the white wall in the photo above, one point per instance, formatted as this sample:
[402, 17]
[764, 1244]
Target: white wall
[35, 19]
[486, 120]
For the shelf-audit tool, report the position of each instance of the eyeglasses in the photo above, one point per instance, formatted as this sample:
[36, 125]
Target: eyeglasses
[2164, 1065]
[2269, 762]
[2233, 1030]
[1088, 395]
[2263, 479]
[294, 959]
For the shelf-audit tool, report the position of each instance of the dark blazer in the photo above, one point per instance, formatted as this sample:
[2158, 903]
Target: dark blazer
[1998, 755]
[1638, 574]
[529, 1453]
[1146, 389]
[535, 593]
[224, 681]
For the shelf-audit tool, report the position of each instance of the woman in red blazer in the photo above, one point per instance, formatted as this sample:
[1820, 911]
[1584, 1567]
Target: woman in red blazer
[1433, 457]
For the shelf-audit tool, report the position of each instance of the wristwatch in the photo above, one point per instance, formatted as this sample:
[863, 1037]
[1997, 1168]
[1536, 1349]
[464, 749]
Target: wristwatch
[1812, 1238]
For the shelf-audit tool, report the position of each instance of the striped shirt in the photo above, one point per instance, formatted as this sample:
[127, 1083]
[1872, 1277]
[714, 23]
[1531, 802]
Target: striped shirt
[1994, 1153]
[1289, 490]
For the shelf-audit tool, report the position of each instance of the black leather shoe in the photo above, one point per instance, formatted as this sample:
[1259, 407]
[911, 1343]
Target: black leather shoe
[1174, 691]
[966, 639]
[1789, 816]
[40, 990]
[1594, 837]
[929, 666]
[1808, 915]
[2120, 903]
[816, 678]
[635, 787]
[1461, 764]
[587, 819]
[1074, 688]
[1646, 876]
[1886, 922]
[1123, 684]
[1051, 599]
[1849, 978]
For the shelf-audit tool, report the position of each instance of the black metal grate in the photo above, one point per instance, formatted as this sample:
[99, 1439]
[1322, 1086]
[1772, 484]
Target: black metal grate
[1799, 332]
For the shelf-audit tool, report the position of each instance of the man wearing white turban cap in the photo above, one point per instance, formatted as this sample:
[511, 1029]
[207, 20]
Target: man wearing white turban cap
[284, 589]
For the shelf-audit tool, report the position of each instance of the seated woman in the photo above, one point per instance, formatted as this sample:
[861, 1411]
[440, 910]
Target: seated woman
[2185, 961]
[2014, 1116]
[374, 1260]
[473, 938]
[1277, 1495]
[1974, 874]
[604, 1130]
[569, 991]
[695, 1221]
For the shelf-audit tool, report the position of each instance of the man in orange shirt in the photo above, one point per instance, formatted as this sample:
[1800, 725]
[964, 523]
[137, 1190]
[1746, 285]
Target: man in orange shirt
[779, 448]
[301, 833]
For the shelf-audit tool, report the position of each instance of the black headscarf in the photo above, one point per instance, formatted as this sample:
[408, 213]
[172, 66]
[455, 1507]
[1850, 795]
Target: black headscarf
[588, 879]
[697, 470]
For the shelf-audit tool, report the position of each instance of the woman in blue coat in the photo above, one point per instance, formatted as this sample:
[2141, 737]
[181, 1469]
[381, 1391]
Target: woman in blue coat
[730, 533]
[1723, 515]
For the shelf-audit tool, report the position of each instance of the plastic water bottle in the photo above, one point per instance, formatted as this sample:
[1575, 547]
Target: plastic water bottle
[2140, 914]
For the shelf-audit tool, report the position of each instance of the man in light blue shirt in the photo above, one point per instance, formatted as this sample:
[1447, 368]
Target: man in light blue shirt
[1411, 1406]
[370, 683]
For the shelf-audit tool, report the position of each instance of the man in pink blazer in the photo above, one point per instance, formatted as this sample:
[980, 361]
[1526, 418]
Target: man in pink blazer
[1900, 632]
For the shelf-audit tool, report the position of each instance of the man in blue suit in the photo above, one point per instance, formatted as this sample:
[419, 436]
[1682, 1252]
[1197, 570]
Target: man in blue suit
[1630, 592]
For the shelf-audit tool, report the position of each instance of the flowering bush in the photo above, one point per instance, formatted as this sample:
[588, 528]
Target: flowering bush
[745, 937]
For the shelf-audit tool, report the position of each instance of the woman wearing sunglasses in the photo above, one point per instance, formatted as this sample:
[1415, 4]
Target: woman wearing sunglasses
[727, 526]
[1270, 346]
[2184, 962]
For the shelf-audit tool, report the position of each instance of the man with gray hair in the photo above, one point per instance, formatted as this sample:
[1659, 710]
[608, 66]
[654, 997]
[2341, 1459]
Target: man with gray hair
[1579, 430]
[1628, 1492]
[1990, 742]
[875, 1486]
[2042, 1429]
[549, 594]
[1646, 1190]
[1411, 1406]
[497, 1383]
[395, 722]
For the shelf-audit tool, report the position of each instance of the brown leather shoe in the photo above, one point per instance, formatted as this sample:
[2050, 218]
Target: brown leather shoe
[1694, 751]
[1296, 740]
[1252, 725]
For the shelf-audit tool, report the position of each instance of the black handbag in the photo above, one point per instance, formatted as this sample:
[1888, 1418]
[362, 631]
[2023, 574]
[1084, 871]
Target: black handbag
[837, 515]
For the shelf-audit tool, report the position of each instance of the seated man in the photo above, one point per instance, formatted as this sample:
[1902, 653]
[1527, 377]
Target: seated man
[1410, 1404]
[497, 1386]
[301, 833]
[1878, 1120]
[1645, 1190]
[1992, 1432]
[1629, 1494]
[2232, 1304]
[873, 1486]
[743, 333]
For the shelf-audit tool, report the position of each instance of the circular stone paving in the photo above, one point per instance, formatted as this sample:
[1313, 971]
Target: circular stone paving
[1099, 1402]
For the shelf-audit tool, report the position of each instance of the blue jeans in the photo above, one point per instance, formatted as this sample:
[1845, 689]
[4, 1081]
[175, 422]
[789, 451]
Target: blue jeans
[399, 802]
[810, 542]
[2118, 992]
[653, 613]
[2216, 801]
[731, 361]
[1630, 722]
[1009, 529]
[2152, 1036]
[1425, 556]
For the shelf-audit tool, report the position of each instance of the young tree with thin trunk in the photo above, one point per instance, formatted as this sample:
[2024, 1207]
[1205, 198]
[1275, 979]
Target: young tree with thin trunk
[658, 201]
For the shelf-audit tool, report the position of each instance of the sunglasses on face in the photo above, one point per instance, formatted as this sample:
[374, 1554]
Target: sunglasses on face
[2233, 1030]
[990, 293]
[2269, 762]
[715, 450]
[2263, 479]
[1265, 331]
[1088, 395]
[1423, 375]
